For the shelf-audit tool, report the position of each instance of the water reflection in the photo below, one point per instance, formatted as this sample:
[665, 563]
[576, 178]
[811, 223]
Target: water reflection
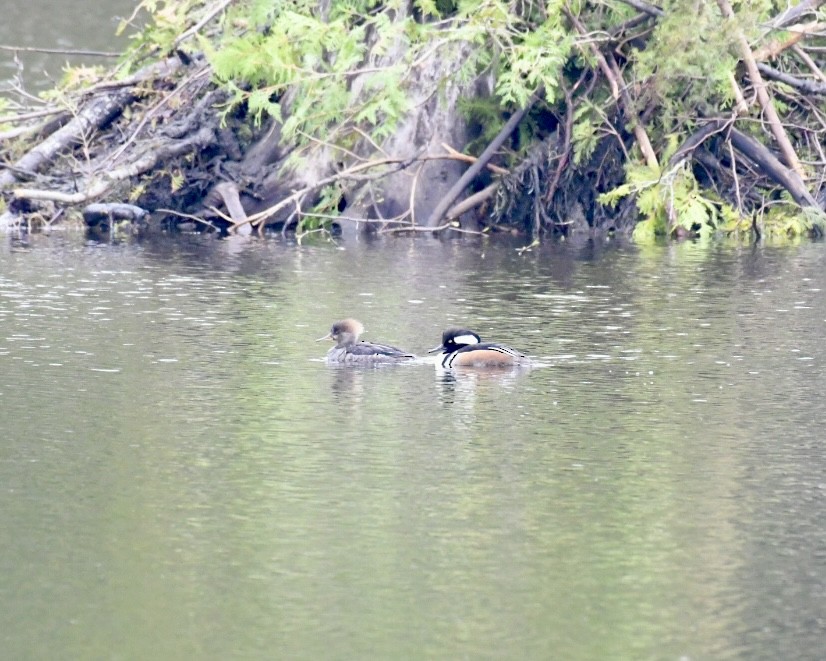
[461, 383]
[183, 475]
[87, 25]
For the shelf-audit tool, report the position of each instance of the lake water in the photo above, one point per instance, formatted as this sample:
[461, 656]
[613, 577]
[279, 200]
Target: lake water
[58, 25]
[182, 476]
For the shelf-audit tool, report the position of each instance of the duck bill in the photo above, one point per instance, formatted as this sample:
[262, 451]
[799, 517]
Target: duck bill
[441, 347]
[328, 336]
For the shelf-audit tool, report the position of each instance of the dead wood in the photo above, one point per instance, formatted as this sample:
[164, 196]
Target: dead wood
[102, 184]
[645, 8]
[94, 115]
[772, 167]
[795, 13]
[96, 112]
[763, 97]
[797, 32]
[805, 86]
[97, 214]
[465, 180]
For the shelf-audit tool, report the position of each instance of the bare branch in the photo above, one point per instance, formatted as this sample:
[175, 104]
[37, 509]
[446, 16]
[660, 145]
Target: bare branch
[60, 51]
[763, 97]
[807, 86]
[789, 179]
[644, 7]
[793, 14]
[463, 182]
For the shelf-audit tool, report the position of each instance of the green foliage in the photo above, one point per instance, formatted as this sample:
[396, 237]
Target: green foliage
[290, 47]
[349, 72]
[684, 69]
[323, 214]
[346, 72]
[586, 131]
[678, 197]
[686, 74]
[788, 221]
[170, 18]
[535, 60]
[671, 203]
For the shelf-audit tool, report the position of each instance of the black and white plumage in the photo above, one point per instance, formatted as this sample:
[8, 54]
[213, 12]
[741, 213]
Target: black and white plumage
[464, 348]
[348, 349]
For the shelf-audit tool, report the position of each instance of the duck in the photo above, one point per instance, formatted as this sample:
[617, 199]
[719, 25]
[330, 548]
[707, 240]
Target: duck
[464, 348]
[348, 349]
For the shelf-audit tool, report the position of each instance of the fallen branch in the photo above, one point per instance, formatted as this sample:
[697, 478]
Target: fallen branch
[778, 172]
[150, 114]
[59, 51]
[792, 14]
[472, 201]
[601, 61]
[453, 226]
[229, 194]
[763, 97]
[696, 139]
[162, 69]
[96, 114]
[467, 158]
[608, 66]
[807, 86]
[351, 173]
[565, 152]
[211, 13]
[774, 48]
[470, 174]
[803, 55]
[188, 216]
[100, 185]
[644, 7]
[640, 134]
[34, 114]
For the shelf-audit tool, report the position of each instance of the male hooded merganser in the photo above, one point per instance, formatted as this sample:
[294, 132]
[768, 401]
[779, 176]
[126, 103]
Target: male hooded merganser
[349, 350]
[463, 348]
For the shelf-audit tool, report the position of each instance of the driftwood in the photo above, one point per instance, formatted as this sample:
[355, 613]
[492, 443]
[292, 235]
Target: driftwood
[95, 114]
[773, 119]
[795, 13]
[761, 155]
[101, 184]
[99, 214]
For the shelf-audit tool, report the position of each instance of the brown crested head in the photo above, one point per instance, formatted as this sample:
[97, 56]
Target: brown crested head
[346, 331]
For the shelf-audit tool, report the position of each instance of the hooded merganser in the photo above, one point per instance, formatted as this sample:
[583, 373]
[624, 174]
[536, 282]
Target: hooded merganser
[349, 350]
[464, 348]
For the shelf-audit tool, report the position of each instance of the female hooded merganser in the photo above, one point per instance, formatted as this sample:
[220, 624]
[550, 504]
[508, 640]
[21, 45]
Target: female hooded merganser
[349, 350]
[463, 348]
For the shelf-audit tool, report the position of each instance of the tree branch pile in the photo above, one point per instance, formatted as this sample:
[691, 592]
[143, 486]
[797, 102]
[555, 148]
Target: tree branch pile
[768, 147]
[621, 120]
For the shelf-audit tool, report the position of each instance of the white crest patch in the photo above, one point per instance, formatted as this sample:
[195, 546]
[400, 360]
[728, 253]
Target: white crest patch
[466, 339]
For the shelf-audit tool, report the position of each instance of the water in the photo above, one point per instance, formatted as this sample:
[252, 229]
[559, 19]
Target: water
[55, 25]
[182, 477]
